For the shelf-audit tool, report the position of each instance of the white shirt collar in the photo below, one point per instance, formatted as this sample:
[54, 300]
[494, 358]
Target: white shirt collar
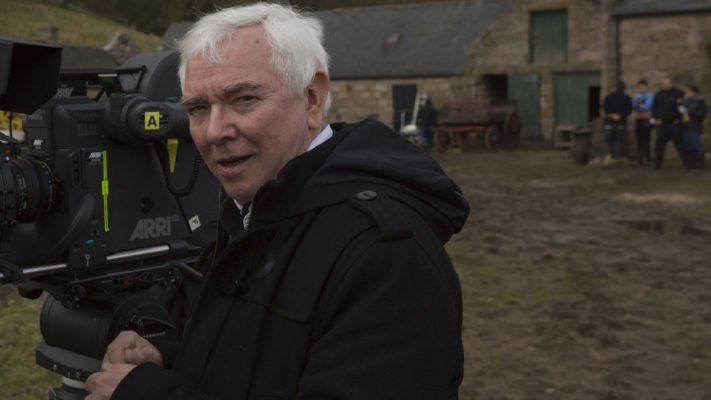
[325, 134]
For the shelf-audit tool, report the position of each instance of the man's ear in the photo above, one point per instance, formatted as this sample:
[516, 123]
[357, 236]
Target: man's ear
[316, 94]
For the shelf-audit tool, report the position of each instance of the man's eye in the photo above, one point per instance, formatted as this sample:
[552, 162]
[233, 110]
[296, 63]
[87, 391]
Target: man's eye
[244, 99]
[192, 110]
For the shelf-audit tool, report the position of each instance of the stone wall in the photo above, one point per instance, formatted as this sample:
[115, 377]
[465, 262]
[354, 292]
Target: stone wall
[505, 46]
[354, 100]
[654, 46]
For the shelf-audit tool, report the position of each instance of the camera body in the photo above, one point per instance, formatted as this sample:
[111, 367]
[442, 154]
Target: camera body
[92, 189]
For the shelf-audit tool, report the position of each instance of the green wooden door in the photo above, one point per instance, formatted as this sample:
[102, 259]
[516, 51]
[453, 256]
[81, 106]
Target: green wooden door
[548, 40]
[572, 96]
[524, 91]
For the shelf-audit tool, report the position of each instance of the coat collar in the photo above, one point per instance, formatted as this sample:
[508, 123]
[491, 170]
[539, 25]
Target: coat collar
[283, 197]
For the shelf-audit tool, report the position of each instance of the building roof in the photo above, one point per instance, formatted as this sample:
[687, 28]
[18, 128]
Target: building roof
[406, 40]
[398, 41]
[630, 8]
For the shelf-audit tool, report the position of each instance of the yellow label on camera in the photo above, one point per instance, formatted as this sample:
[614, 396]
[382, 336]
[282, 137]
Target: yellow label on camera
[152, 121]
[172, 153]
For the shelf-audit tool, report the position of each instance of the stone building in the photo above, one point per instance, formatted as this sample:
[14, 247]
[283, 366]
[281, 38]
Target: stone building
[555, 59]
[540, 52]
[381, 57]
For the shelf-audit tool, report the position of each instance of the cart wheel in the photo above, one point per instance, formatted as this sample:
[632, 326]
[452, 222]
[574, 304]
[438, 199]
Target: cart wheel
[492, 138]
[512, 129]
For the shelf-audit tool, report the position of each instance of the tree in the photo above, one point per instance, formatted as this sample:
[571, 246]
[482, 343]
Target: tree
[155, 16]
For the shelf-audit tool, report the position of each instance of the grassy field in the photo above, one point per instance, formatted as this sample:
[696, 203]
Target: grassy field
[77, 27]
[20, 378]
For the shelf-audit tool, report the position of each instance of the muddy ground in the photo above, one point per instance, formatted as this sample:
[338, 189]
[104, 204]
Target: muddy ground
[581, 282]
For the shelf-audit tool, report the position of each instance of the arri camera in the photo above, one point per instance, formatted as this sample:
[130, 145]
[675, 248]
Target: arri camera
[103, 201]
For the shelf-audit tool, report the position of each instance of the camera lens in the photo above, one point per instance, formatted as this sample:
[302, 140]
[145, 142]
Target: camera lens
[27, 191]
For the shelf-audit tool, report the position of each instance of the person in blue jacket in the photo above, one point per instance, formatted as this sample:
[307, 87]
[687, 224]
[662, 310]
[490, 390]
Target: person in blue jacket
[642, 105]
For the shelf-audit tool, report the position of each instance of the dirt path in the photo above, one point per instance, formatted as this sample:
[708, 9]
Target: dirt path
[583, 282]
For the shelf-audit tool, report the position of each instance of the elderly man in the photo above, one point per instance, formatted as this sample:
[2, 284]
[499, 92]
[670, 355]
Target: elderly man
[329, 278]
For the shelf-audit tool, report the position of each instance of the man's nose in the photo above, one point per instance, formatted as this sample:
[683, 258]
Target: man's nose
[220, 126]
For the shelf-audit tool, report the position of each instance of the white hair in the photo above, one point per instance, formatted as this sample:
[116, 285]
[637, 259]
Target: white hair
[296, 41]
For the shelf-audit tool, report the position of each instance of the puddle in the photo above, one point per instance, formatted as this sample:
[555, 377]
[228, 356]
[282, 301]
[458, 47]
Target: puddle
[674, 199]
[695, 231]
[651, 226]
[661, 227]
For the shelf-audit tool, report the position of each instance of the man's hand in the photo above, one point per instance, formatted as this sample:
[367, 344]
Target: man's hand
[101, 385]
[130, 348]
[123, 354]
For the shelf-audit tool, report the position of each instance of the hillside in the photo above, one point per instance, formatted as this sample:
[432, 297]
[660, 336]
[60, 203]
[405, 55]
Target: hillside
[77, 27]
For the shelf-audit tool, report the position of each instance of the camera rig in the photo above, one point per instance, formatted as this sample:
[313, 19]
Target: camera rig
[103, 201]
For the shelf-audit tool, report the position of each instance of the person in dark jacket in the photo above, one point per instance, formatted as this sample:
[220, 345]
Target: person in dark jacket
[617, 106]
[667, 117]
[694, 111]
[329, 278]
[426, 121]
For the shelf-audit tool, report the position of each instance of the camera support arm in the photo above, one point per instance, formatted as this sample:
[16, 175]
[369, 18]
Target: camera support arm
[10, 273]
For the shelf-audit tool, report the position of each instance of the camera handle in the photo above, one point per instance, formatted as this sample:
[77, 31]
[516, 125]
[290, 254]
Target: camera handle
[80, 336]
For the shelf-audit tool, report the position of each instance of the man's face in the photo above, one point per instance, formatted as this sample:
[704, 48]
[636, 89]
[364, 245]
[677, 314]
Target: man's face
[641, 88]
[246, 124]
[666, 83]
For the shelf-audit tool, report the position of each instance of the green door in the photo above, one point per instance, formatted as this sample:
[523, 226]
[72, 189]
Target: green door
[573, 93]
[548, 41]
[523, 90]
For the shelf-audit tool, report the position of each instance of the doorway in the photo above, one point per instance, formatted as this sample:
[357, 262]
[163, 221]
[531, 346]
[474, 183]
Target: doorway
[404, 97]
[524, 91]
[576, 98]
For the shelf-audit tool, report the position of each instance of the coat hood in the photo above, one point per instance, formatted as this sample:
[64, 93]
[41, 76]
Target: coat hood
[364, 156]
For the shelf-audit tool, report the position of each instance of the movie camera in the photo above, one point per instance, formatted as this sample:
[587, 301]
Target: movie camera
[104, 200]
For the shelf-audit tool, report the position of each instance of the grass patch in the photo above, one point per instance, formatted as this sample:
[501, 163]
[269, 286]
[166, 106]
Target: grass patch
[77, 27]
[492, 286]
[487, 285]
[20, 378]
[698, 185]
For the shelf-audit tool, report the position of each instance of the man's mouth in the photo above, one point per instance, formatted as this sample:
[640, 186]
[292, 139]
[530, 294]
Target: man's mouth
[230, 162]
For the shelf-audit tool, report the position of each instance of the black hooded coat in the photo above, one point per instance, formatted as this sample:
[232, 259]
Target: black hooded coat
[340, 287]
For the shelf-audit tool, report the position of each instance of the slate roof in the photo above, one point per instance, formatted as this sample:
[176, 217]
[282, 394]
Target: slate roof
[406, 40]
[630, 8]
[411, 40]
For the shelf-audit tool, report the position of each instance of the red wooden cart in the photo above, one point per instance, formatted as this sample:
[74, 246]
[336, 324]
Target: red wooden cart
[471, 124]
